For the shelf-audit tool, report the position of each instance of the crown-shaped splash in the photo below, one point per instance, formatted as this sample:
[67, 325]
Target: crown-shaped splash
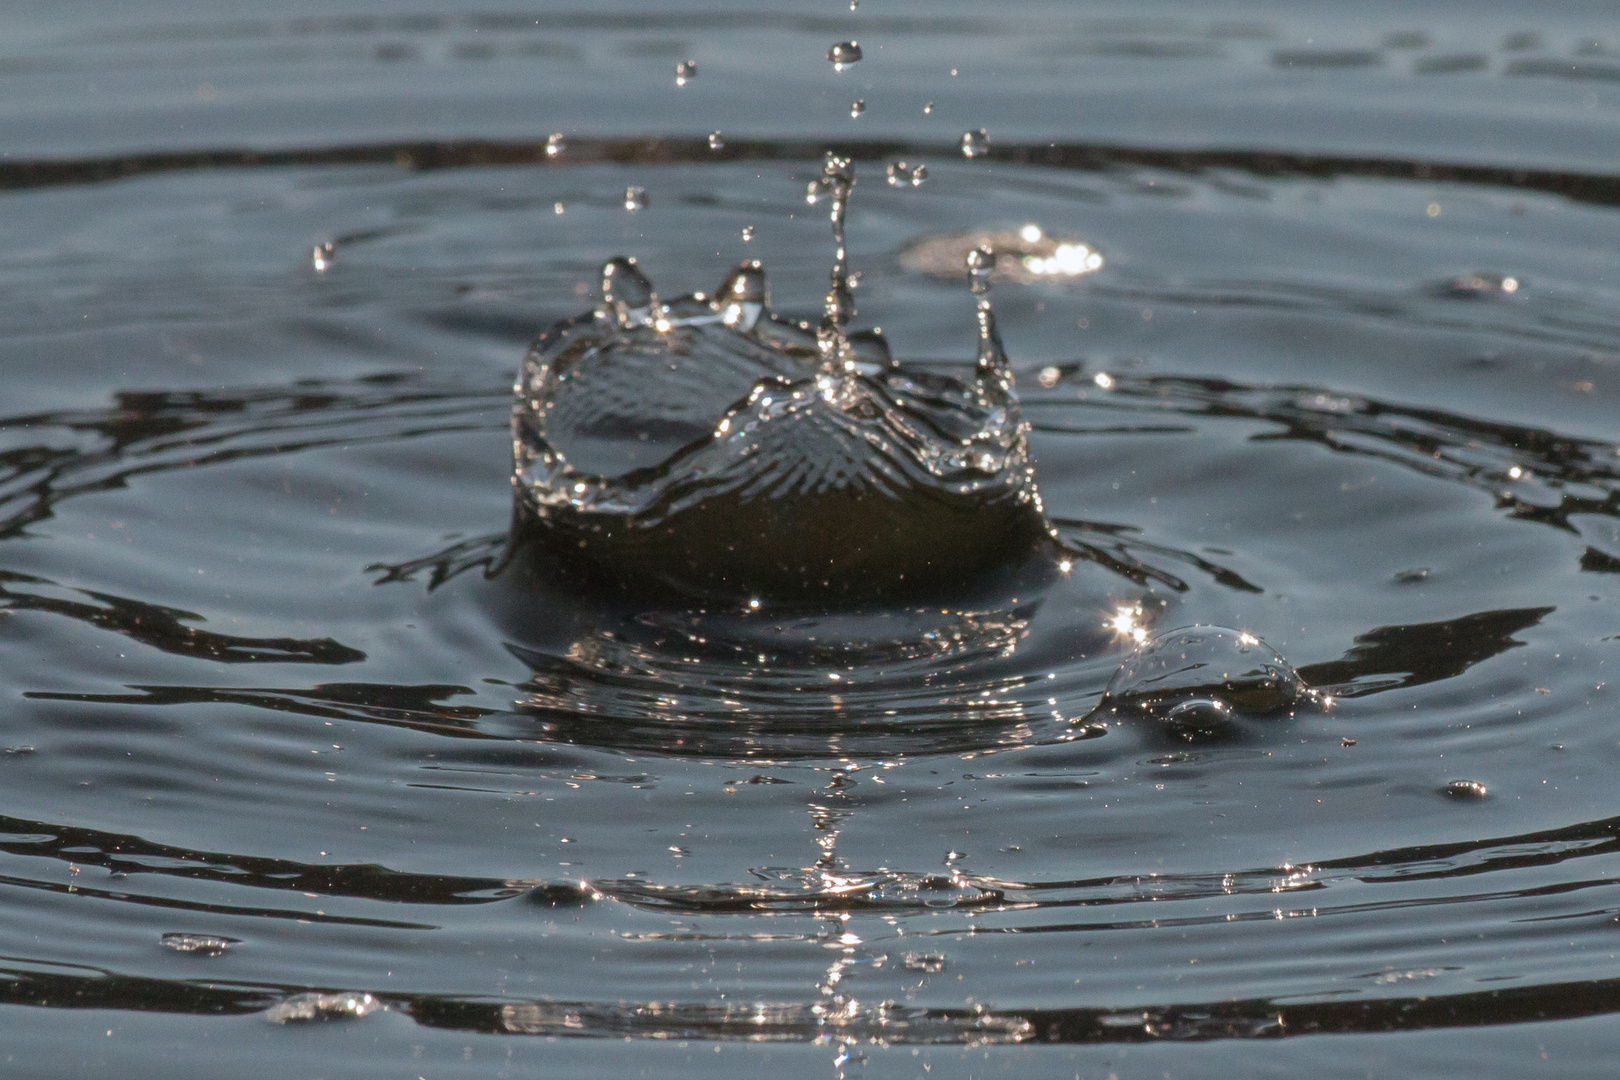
[714, 446]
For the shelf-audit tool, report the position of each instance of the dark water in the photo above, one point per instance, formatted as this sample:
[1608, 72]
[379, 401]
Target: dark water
[262, 686]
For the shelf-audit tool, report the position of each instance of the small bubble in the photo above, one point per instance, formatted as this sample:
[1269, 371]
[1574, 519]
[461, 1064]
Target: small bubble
[197, 944]
[555, 145]
[635, 198]
[924, 961]
[686, 69]
[715, 141]
[1198, 678]
[311, 1007]
[857, 107]
[563, 894]
[747, 233]
[975, 143]
[844, 54]
[1464, 789]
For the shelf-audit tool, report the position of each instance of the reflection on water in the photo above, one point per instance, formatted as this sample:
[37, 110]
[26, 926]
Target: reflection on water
[1313, 331]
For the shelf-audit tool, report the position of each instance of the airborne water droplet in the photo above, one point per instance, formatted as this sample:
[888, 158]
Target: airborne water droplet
[844, 54]
[975, 143]
[555, 145]
[747, 233]
[635, 198]
[928, 108]
[322, 257]
[686, 69]
[980, 262]
[857, 107]
[716, 142]
[626, 291]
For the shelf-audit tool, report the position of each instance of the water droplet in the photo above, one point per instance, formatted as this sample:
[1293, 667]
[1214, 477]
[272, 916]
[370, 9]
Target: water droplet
[626, 291]
[975, 143]
[743, 296]
[1464, 789]
[198, 944]
[1197, 679]
[844, 54]
[981, 261]
[715, 141]
[686, 69]
[635, 198]
[854, 4]
[928, 108]
[857, 107]
[322, 256]
[747, 233]
[555, 145]
[311, 1007]
[924, 961]
[558, 207]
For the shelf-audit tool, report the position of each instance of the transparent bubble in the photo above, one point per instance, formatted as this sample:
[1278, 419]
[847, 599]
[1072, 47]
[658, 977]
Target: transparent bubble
[198, 944]
[975, 143]
[635, 198]
[1199, 680]
[686, 69]
[314, 1007]
[844, 54]
[716, 142]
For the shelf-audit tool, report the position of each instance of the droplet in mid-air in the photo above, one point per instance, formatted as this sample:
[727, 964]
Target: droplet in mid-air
[928, 108]
[635, 198]
[716, 142]
[686, 69]
[844, 54]
[902, 174]
[857, 107]
[975, 143]
[322, 256]
[1200, 681]
[981, 261]
[555, 145]
[747, 233]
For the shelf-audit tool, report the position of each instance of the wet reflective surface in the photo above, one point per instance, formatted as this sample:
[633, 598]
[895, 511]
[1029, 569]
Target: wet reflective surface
[313, 765]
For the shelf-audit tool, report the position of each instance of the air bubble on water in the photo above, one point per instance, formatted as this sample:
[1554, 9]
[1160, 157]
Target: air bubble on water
[857, 107]
[743, 296]
[555, 145]
[314, 1007]
[715, 141]
[627, 293]
[1198, 680]
[1464, 790]
[198, 944]
[929, 962]
[686, 69]
[975, 143]
[321, 258]
[747, 233]
[844, 54]
[635, 198]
